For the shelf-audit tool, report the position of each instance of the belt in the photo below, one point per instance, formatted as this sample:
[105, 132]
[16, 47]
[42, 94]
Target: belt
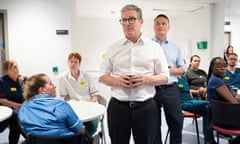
[132, 104]
[165, 86]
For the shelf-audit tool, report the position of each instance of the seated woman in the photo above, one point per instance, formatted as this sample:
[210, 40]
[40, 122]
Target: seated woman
[219, 89]
[195, 106]
[43, 114]
[197, 78]
[11, 96]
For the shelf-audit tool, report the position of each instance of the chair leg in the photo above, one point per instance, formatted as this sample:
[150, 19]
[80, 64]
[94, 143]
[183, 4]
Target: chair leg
[217, 137]
[197, 130]
[103, 141]
[166, 138]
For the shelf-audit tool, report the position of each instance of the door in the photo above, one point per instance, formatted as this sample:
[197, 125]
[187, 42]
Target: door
[2, 38]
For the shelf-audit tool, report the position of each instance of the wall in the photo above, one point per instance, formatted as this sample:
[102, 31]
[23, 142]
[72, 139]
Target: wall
[235, 32]
[32, 38]
[191, 29]
[206, 24]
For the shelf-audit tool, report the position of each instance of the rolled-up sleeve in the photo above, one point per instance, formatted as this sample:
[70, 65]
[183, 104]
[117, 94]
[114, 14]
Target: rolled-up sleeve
[73, 122]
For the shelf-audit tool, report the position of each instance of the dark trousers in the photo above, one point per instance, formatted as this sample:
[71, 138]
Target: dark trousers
[168, 97]
[141, 119]
[201, 107]
[14, 128]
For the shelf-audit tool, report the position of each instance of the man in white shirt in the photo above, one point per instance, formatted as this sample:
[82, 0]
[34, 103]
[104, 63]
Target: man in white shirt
[132, 67]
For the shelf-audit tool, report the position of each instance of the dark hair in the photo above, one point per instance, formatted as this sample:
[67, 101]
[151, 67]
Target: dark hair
[133, 7]
[192, 59]
[161, 15]
[232, 54]
[227, 50]
[211, 66]
[226, 53]
[32, 85]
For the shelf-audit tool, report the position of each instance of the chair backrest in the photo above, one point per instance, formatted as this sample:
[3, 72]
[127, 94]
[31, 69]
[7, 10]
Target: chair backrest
[69, 139]
[225, 113]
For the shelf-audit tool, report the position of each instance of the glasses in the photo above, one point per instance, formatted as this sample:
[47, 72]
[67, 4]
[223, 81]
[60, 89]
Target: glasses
[130, 20]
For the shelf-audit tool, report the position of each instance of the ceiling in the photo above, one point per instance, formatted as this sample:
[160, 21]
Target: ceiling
[173, 8]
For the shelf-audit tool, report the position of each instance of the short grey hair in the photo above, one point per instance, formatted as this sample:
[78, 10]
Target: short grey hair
[133, 7]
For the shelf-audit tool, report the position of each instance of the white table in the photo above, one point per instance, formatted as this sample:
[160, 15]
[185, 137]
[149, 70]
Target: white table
[5, 112]
[87, 111]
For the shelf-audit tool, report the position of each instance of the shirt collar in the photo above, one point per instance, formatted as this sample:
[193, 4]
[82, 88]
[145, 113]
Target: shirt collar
[42, 96]
[140, 41]
[161, 43]
[71, 77]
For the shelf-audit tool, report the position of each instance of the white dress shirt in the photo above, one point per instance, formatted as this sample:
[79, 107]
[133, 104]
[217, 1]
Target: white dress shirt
[143, 57]
[81, 89]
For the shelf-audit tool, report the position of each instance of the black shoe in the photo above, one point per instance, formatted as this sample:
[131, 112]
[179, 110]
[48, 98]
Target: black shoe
[236, 140]
[24, 142]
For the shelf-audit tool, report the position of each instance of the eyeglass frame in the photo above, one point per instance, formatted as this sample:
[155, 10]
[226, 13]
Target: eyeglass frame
[130, 20]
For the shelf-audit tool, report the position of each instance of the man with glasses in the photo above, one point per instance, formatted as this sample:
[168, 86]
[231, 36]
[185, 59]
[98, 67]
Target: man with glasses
[168, 95]
[232, 75]
[132, 66]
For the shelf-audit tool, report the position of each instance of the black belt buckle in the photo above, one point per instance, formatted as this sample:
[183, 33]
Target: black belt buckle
[131, 104]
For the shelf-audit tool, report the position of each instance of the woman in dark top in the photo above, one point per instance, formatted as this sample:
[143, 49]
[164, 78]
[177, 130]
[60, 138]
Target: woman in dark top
[217, 88]
[11, 96]
[197, 78]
